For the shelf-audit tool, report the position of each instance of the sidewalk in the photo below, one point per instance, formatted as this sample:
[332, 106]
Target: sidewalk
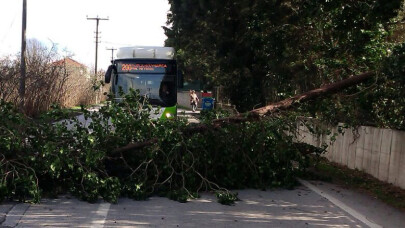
[371, 208]
[5, 207]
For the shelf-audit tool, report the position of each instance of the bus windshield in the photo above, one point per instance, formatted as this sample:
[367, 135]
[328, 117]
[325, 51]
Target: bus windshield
[160, 89]
[155, 79]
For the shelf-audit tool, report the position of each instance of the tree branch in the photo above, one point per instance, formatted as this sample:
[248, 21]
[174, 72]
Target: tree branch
[134, 146]
[300, 98]
[324, 90]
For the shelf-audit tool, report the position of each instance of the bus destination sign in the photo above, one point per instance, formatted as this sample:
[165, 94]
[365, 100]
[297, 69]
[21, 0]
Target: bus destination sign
[143, 67]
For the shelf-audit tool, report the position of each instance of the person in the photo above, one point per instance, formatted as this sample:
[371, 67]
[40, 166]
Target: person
[193, 100]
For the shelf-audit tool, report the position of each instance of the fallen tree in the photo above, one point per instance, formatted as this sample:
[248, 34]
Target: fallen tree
[123, 153]
[300, 98]
[313, 94]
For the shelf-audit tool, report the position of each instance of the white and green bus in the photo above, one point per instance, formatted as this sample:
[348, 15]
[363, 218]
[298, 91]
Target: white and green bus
[152, 71]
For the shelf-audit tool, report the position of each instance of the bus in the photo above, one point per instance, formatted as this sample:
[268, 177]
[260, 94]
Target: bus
[152, 71]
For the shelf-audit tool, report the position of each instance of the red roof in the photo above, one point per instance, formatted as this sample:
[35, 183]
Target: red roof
[68, 61]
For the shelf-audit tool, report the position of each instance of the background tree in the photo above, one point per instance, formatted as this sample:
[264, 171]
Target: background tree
[49, 80]
[266, 50]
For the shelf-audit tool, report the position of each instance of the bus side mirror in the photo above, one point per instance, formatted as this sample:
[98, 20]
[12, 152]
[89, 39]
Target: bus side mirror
[107, 77]
[180, 81]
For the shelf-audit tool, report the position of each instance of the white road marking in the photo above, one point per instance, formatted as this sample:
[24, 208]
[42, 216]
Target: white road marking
[101, 215]
[341, 205]
[14, 216]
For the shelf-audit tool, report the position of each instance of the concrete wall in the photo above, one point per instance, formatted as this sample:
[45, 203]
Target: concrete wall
[379, 152]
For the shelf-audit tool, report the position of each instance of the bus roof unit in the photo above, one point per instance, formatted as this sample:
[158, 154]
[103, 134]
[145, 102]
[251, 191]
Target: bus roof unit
[145, 52]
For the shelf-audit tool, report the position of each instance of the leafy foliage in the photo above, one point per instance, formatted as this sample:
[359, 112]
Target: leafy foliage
[264, 51]
[226, 198]
[207, 116]
[88, 159]
[18, 179]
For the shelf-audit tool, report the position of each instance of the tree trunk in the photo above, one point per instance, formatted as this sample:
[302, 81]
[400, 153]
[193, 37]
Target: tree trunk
[322, 91]
[289, 102]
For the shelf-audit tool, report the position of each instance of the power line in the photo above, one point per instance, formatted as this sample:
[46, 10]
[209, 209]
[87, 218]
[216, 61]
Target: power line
[115, 43]
[9, 28]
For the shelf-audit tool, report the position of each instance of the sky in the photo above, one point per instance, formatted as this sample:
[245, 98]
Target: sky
[64, 23]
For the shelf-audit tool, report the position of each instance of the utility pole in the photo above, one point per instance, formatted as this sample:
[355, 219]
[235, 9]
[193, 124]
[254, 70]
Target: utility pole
[97, 33]
[112, 53]
[23, 49]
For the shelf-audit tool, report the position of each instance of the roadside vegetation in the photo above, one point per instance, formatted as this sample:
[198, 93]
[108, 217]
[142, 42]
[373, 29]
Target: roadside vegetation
[51, 80]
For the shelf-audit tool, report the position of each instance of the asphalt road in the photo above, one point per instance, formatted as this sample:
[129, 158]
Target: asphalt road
[302, 207]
